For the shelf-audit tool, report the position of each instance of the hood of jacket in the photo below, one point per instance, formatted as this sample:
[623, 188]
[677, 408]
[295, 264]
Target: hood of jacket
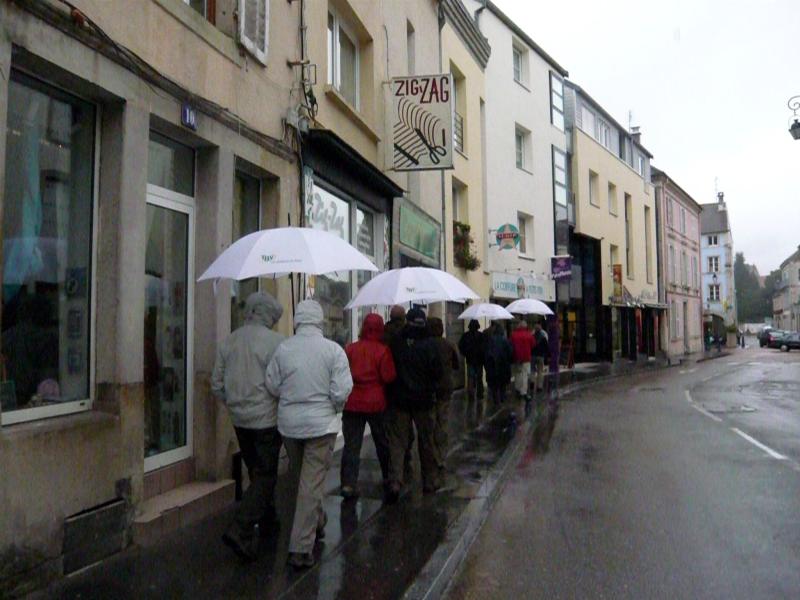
[436, 327]
[372, 328]
[474, 325]
[308, 314]
[262, 309]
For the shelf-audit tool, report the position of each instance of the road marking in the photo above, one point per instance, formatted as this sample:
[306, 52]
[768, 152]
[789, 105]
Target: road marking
[758, 444]
[692, 370]
[700, 409]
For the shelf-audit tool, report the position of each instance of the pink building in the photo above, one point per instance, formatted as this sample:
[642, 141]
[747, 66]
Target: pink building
[679, 269]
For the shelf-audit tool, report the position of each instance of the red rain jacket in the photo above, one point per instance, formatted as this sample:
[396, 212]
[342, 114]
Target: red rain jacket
[523, 342]
[371, 366]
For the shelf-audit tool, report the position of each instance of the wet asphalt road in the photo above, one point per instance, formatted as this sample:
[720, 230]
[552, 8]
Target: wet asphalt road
[636, 489]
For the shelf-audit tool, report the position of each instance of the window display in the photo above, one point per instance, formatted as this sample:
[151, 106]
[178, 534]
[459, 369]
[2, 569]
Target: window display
[47, 251]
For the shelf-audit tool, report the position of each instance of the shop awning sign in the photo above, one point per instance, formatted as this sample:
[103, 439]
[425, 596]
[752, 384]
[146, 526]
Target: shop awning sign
[422, 122]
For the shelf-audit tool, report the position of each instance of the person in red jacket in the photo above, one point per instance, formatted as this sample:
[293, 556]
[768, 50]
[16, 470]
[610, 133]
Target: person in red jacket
[523, 342]
[372, 368]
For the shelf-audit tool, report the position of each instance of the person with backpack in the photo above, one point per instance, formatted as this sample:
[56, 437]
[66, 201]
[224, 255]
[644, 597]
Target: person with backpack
[419, 369]
[444, 387]
[372, 369]
[540, 355]
[472, 346]
[498, 359]
[522, 341]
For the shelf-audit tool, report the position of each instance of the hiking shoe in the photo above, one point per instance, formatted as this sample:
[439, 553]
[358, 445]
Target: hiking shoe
[241, 547]
[300, 560]
[348, 491]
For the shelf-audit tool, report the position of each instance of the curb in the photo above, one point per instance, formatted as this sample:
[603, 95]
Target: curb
[716, 356]
[435, 577]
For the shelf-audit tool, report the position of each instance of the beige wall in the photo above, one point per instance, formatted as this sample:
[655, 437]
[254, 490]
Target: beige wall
[598, 222]
[469, 165]
[381, 26]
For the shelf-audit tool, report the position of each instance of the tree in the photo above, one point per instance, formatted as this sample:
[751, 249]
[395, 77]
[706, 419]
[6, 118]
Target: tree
[753, 303]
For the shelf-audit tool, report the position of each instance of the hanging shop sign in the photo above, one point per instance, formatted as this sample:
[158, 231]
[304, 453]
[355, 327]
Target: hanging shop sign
[422, 122]
[419, 231]
[509, 285]
[561, 268]
[507, 236]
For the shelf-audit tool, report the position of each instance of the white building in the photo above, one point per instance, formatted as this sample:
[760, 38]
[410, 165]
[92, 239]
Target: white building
[716, 246]
[524, 128]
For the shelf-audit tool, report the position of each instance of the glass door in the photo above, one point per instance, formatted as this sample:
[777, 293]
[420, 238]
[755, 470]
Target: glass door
[168, 328]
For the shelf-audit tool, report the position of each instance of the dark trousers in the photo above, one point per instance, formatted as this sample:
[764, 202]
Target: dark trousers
[497, 393]
[441, 424]
[400, 424]
[260, 450]
[353, 424]
[475, 381]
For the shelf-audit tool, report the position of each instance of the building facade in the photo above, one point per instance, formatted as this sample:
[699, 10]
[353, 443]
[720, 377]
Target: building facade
[719, 287]
[123, 178]
[525, 159]
[786, 299]
[678, 236]
[613, 309]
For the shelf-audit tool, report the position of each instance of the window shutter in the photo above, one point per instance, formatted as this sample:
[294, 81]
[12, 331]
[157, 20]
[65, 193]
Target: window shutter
[254, 27]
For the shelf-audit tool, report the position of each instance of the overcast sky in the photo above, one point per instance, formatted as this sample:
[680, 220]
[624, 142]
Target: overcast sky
[708, 82]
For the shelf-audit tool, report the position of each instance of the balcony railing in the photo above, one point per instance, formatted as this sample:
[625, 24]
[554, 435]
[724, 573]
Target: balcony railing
[458, 132]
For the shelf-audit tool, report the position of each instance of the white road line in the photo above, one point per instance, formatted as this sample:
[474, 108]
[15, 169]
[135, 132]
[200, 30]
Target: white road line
[700, 409]
[758, 444]
[692, 370]
[706, 413]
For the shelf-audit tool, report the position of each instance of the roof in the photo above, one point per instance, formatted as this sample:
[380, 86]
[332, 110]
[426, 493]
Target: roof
[792, 258]
[658, 173]
[466, 28]
[713, 220]
[607, 115]
[524, 36]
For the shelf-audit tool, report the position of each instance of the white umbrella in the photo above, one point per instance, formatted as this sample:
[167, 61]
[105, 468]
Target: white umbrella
[488, 310]
[276, 252]
[529, 306]
[411, 284]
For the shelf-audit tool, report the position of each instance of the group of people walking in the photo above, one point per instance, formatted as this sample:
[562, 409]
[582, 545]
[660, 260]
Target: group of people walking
[302, 391]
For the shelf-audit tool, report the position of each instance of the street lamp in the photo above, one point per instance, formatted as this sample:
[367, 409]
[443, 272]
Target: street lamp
[794, 106]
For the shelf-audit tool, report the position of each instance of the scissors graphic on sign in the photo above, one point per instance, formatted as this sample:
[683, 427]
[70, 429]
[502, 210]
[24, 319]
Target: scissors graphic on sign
[434, 151]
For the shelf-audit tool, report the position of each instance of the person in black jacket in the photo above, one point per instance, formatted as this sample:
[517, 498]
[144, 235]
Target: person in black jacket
[412, 403]
[498, 358]
[472, 346]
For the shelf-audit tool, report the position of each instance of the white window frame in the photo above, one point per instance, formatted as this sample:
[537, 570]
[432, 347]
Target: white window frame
[335, 78]
[205, 7]
[522, 142]
[713, 240]
[683, 220]
[260, 54]
[714, 287]
[713, 264]
[603, 134]
[613, 207]
[640, 165]
[25, 415]
[684, 269]
[555, 79]
[517, 69]
[671, 265]
[181, 203]
[594, 200]
[525, 226]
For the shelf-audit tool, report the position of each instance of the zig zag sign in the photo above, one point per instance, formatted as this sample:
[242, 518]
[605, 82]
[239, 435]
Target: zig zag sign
[422, 122]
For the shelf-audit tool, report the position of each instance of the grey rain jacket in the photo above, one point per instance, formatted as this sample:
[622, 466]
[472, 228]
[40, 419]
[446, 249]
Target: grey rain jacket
[239, 377]
[311, 377]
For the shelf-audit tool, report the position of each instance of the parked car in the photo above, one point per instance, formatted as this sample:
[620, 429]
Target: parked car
[790, 342]
[774, 338]
[763, 334]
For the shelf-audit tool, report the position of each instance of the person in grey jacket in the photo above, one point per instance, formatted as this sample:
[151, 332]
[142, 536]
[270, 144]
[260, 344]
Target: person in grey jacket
[239, 380]
[311, 377]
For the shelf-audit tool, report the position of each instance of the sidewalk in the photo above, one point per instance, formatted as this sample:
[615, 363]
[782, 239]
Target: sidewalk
[370, 550]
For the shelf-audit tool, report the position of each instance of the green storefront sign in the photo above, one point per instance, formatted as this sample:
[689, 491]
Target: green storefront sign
[419, 231]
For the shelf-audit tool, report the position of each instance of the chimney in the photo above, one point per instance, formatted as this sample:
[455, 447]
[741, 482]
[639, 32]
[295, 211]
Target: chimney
[720, 201]
[636, 134]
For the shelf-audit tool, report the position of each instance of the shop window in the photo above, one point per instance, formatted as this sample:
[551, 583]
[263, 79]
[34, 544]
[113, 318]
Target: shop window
[170, 165]
[47, 252]
[246, 219]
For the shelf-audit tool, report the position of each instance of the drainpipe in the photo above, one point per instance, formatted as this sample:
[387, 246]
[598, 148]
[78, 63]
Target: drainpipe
[444, 223]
